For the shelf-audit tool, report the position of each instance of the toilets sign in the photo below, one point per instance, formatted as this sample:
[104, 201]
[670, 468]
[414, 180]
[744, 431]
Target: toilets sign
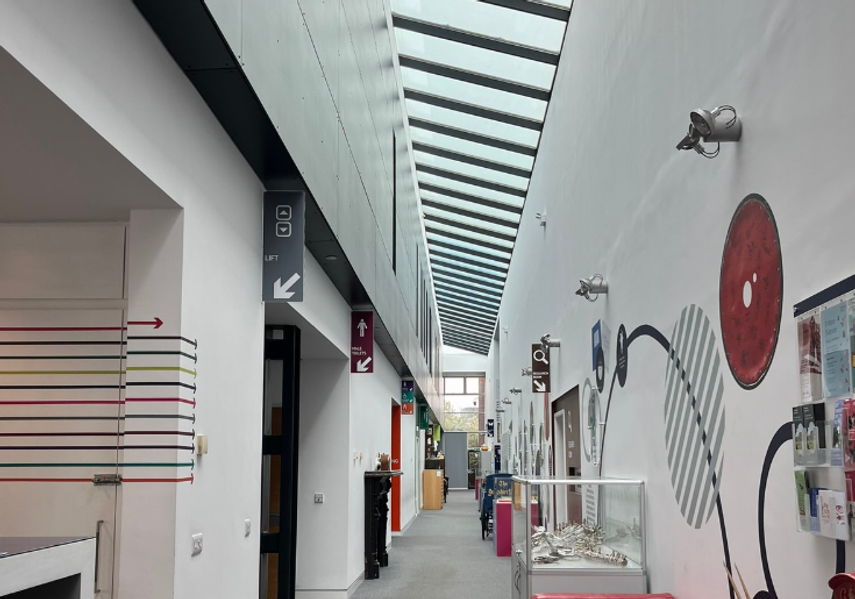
[361, 342]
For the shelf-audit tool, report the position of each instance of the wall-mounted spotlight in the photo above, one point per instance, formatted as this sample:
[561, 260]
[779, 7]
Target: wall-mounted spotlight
[706, 125]
[500, 410]
[592, 286]
[541, 216]
[506, 400]
[515, 390]
[547, 341]
[526, 371]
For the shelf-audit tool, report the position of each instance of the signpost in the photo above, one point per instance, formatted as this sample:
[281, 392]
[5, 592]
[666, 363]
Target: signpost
[407, 397]
[490, 427]
[539, 369]
[362, 342]
[284, 240]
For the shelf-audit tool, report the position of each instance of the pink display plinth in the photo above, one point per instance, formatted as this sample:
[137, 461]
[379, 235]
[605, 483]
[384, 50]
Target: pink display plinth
[502, 527]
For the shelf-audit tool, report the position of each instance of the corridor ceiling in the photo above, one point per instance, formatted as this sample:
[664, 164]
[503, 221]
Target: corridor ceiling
[477, 78]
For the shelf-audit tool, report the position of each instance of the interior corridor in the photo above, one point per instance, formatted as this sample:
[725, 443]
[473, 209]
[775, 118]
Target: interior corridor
[442, 556]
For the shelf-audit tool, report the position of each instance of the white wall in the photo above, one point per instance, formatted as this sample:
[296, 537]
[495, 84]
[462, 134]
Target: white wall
[462, 361]
[104, 61]
[412, 471]
[624, 203]
[323, 540]
[370, 433]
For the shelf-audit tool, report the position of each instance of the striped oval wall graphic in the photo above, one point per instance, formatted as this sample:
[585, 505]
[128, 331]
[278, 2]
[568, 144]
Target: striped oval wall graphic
[694, 416]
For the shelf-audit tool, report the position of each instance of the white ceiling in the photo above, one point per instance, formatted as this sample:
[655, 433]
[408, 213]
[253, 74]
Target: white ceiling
[54, 166]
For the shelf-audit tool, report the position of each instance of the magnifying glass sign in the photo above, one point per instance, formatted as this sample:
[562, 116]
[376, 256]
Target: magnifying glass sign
[540, 356]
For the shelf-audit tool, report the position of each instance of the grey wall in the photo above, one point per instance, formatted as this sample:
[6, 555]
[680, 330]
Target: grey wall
[456, 460]
[325, 71]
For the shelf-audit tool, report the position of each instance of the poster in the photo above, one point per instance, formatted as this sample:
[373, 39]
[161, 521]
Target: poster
[837, 362]
[810, 357]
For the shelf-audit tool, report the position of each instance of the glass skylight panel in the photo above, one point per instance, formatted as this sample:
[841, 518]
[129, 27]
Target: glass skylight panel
[470, 93]
[476, 60]
[475, 237]
[475, 190]
[462, 253]
[464, 246]
[473, 222]
[471, 148]
[439, 269]
[471, 170]
[512, 218]
[451, 263]
[475, 124]
[487, 20]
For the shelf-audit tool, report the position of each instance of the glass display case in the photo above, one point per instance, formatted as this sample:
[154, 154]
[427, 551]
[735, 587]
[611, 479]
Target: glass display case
[580, 535]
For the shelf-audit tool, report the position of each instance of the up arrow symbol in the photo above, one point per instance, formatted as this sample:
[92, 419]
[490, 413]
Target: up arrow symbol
[281, 291]
[362, 365]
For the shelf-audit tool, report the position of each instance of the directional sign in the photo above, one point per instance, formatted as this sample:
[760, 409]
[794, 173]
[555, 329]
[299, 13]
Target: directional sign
[284, 240]
[361, 342]
[408, 393]
[539, 369]
[490, 427]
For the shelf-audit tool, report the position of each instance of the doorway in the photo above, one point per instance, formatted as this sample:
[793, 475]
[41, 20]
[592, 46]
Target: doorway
[567, 454]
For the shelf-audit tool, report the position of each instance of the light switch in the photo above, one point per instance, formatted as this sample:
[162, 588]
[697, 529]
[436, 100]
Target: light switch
[247, 527]
[201, 444]
[197, 544]
[319, 497]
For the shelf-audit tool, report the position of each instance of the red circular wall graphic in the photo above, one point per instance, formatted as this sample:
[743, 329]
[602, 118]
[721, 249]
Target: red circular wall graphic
[751, 291]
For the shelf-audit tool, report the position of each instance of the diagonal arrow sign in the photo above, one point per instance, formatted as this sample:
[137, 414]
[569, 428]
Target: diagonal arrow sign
[362, 365]
[282, 291]
[540, 387]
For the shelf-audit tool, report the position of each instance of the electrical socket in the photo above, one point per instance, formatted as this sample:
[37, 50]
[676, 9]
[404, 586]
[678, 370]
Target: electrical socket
[247, 527]
[197, 544]
[319, 497]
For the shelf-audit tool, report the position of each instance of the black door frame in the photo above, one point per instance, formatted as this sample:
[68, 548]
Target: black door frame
[282, 344]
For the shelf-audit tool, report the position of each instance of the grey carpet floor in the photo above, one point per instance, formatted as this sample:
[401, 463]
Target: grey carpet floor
[442, 556]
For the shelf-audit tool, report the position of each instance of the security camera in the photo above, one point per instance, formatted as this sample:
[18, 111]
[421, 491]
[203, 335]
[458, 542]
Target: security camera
[547, 341]
[515, 390]
[506, 400]
[526, 371]
[593, 285]
[705, 125]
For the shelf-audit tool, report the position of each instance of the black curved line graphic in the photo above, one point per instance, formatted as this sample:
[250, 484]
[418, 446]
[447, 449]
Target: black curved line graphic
[781, 436]
[647, 330]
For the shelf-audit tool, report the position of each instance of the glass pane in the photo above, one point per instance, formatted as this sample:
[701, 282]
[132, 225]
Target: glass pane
[472, 148]
[462, 403]
[473, 93]
[475, 237]
[495, 65]
[467, 220]
[482, 126]
[453, 385]
[443, 261]
[463, 254]
[473, 384]
[456, 421]
[512, 218]
[474, 190]
[471, 170]
[487, 20]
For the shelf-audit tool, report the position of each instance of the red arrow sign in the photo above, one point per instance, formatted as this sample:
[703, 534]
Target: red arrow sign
[156, 323]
